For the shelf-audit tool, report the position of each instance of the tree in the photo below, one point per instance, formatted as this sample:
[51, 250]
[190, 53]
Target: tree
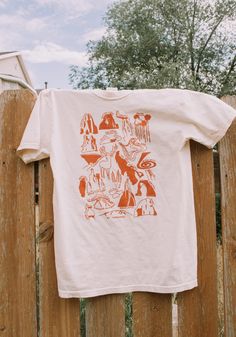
[166, 43]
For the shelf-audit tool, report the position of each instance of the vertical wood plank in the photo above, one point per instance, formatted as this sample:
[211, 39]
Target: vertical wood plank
[152, 314]
[17, 226]
[227, 153]
[105, 316]
[59, 317]
[197, 307]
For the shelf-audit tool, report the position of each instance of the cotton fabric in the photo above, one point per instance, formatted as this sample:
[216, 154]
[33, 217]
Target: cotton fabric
[123, 203]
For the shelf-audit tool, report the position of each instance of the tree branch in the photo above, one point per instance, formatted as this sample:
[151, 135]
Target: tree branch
[206, 43]
[191, 38]
[231, 68]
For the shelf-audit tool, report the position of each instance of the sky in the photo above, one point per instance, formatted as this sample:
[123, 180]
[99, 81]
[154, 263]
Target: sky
[51, 34]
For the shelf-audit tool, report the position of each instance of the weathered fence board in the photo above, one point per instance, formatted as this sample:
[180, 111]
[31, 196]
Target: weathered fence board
[29, 301]
[152, 314]
[227, 152]
[197, 308]
[17, 229]
[58, 317]
[105, 316]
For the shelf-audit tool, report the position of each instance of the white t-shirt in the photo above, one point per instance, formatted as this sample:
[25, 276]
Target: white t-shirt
[123, 203]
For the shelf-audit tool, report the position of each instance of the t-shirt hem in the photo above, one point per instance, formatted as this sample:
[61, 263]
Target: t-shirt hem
[34, 153]
[129, 288]
[25, 146]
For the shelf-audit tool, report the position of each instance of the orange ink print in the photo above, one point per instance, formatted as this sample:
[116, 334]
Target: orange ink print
[82, 186]
[132, 148]
[126, 168]
[87, 124]
[89, 144]
[115, 193]
[150, 174]
[119, 213]
[117, 161]
[145, 164]
[101, 202]
[105, 166]
[145, 207]
[92, 158]
[127, 127]
[127, 199]
[89, 213]
[110, 136]
[108, 122]
[141, 125]
[150, 191]
[95, 182]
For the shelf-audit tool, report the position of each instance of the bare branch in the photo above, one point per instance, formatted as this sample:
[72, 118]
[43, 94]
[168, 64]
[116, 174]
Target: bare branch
[206, 43]
[231, 69]
[191, 37]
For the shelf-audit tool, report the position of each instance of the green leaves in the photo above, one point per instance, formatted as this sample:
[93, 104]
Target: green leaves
[156, 44]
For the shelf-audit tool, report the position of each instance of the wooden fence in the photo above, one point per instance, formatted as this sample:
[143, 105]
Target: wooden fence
[29, 302]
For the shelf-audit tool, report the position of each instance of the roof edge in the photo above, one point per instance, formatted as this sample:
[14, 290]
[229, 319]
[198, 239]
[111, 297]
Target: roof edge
[9, 54]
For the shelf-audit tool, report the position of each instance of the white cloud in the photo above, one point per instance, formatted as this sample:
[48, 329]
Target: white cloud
[9, 39]
[34, 24]
[51, 52]
[73, 7]
[94, 34]
[3, 3]
[6, 19]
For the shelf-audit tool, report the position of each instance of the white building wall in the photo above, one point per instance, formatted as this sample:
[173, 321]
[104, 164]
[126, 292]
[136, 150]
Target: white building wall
[12, 67]
[7, 85]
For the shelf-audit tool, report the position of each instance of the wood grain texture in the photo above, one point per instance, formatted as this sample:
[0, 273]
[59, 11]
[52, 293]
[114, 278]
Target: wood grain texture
[152, 314]
[17, 227]
[29, 302]
[197, 307]
[105, 316]
[227, 156]
[59, 317]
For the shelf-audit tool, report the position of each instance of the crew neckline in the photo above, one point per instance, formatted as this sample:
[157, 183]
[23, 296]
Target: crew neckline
[111, 94]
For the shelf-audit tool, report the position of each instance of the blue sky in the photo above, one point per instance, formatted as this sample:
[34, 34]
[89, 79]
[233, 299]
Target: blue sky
[51, 34]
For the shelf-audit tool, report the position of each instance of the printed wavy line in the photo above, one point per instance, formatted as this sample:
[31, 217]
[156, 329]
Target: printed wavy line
[145, 164]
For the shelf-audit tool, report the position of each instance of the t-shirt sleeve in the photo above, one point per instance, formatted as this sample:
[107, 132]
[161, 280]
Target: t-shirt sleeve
[205, 118]
[35, 143]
